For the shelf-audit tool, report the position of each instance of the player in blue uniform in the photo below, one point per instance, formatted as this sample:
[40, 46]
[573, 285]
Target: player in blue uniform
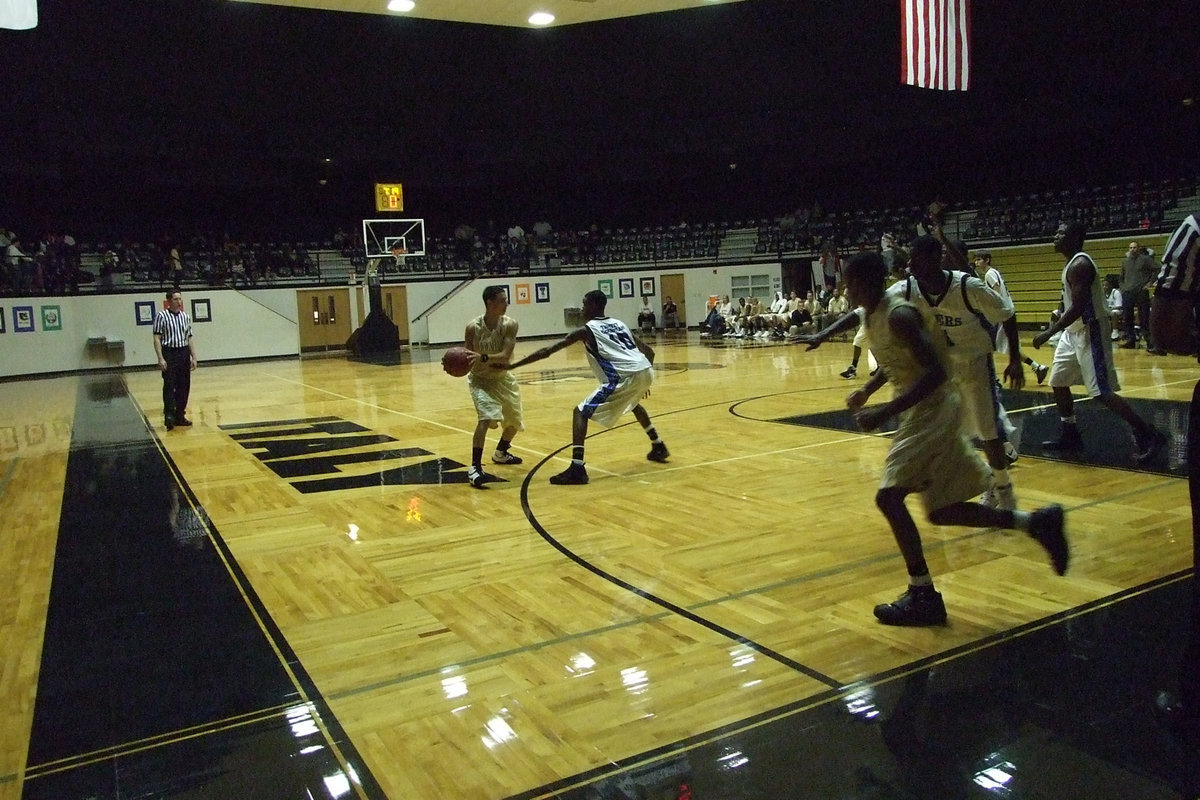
[623, 365]
[1084, 352]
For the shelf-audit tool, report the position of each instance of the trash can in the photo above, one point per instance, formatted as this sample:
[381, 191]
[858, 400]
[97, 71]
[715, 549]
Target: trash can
[573, 318]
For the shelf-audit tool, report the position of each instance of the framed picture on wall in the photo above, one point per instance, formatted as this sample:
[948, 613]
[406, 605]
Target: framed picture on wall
[23, 319]
[605, 286]
[647, 287]
[541, 292]
[2, 329]
[51, 318]
[522, 293]
[143, 312]
[626, 287]
[201, 311]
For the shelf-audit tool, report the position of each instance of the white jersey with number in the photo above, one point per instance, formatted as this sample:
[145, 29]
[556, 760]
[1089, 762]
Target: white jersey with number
[615, 354]
[625, 374]
[967, 311]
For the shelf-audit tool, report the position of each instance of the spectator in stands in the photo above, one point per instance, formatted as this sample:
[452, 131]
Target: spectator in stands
[1115, 303]
[893, 257]
[670, 313]
[794, 302]
[749, 318]
[395, 263]
[831, 267]
[175, 265]
[20, 265]
[714, 323]
[802, 319]
[729, 312]
[1138, 270]
[645, 318]
[774, 318]
[109, 265]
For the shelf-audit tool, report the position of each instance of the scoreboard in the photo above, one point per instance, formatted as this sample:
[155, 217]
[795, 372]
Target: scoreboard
[389, 197]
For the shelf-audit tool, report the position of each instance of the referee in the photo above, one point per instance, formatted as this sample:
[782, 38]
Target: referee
[176, 358]
[1174, 323]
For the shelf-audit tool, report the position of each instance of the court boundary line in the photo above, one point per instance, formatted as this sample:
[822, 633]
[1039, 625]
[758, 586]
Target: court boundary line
[364, 782]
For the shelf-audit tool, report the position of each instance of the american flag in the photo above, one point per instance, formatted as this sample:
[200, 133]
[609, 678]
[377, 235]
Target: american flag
[935, 43]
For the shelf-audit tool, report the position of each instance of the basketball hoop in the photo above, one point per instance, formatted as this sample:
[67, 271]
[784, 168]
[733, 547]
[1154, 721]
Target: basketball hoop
[383, 238]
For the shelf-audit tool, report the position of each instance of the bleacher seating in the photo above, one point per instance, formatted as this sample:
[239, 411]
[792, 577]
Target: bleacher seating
[1016, 226]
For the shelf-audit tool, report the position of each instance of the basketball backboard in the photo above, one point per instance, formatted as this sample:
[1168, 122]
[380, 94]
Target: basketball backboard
[380, 235]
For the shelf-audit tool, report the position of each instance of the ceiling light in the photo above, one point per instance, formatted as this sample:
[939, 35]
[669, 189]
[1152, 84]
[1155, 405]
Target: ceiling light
[541, 18]
[401, 5]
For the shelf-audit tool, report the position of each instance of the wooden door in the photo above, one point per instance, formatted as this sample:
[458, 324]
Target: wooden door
[395, 306]
[324, 316]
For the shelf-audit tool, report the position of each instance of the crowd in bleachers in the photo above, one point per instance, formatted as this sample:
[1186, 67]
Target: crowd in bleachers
[785, 318]
[206, 261]
[50, 265]
[55, 264]
[58, 265]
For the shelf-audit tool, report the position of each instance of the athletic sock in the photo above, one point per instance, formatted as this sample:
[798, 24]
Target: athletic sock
[923, 581]
[1020, 520]
[577, 454]
[652, 433]
[502, 445]
[477, 458]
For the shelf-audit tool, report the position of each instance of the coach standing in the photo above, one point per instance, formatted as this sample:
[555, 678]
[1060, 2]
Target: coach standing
[176, 358]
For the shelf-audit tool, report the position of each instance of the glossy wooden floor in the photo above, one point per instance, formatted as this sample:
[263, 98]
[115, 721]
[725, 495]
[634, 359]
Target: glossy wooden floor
[483, 643]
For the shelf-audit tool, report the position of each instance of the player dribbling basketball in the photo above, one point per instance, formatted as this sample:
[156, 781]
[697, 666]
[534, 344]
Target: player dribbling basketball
[495, 393]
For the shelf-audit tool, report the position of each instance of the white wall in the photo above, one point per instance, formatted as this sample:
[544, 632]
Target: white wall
[245, 324]
[447, 323]
[261, 323]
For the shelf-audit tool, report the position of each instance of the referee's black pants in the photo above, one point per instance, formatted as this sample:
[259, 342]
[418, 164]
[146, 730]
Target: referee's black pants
[177, 382]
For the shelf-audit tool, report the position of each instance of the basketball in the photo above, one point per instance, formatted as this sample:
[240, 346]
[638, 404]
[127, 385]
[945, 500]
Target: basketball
[456, 361]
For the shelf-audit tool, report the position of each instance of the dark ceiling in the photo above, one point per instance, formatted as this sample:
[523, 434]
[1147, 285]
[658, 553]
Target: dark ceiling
[244, 116]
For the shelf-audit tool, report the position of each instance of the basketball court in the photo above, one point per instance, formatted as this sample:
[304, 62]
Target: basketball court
[302, 594]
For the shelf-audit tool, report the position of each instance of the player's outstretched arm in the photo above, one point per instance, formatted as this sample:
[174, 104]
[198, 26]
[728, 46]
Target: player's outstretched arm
[847, 322]
[545, 352]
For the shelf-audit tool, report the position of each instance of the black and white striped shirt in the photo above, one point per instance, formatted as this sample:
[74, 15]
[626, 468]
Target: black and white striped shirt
[175, 329]
[1178, 274]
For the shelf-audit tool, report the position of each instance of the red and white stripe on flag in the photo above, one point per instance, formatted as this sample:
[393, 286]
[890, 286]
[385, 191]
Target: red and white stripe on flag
[18, 15]
[935, 43]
